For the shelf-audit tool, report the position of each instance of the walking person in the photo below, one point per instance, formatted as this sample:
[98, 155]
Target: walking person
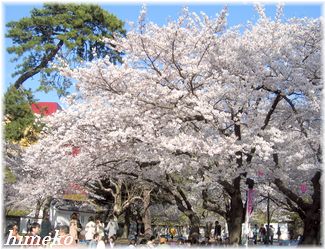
[13, 236]
[133, 233]
[140, 226]
[90, 230]
[172, 232]
[279, 235]
[74, 230]
[28, 225]
[262, 232]
[112, 227]
[217, 232]
[290, 236]
[271, 233]
[33, 238]
[255, 233]
[46, 226]
[79, 227]
[207, 230]
[100, 228]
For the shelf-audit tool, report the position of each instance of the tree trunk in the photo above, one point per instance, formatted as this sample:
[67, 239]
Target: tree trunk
[235, 219]
[117, 210]
[147, 215]
[188, 211]
[311, 235]
[37, 209]
[208, 228]
[118, 203]
[127, 214]
[235, 214]
[312, 219]
[106, 214]
[308, 212]
[47, 206]
[194, 222]
[235, 211]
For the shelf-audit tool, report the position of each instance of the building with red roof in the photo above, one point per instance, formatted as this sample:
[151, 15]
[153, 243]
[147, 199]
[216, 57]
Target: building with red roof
[45, 108]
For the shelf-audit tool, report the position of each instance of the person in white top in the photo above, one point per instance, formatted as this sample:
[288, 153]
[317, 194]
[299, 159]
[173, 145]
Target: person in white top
[90, 229]
[100, 244]
[112, 227]
[100, 228]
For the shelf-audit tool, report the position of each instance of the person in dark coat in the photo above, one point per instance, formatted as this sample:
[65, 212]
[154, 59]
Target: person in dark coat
[217, 231]
[33, 238]
[46, 226]
[13, 237]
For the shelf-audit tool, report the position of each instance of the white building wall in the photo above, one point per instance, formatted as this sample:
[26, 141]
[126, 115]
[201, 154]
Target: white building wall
[57, 217]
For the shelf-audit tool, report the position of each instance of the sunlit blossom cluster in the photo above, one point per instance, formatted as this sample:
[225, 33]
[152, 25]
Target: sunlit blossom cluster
[178, 97]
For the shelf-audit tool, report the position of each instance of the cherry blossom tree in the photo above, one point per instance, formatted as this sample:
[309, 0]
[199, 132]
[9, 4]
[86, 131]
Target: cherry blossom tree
[194, 98]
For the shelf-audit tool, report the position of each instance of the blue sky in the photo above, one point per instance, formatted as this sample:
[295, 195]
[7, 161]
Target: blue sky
[238, 14]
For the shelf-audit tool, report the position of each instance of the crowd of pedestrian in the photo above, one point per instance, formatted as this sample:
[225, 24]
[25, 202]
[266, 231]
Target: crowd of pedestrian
[93, 235]
[96, 235]
[265, 234]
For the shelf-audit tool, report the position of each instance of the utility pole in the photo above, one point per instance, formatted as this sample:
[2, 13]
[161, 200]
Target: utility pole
[268, 219]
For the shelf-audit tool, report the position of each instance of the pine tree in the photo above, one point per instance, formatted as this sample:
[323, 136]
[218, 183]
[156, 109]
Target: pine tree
[75, 30]
[20, 122]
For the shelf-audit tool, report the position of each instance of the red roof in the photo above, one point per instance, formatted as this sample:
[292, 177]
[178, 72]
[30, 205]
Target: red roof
[45, 108]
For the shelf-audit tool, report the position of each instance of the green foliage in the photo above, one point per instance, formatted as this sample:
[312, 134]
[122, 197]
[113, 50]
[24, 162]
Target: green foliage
[18, 115]
[259, 217]
[17, 212]
[76, 29]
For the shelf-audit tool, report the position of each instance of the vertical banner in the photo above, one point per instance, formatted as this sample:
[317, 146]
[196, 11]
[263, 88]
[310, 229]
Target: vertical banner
[250, 201]
[250, 196]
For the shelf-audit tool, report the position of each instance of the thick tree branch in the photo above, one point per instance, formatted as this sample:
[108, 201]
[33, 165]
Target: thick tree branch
[45, 60]
[179, 204]
[147, 164]
[291, 195]
[127, 203]
[237, 128]
[227, 186]
[298, 119]
[271, 111]
[179, 70]
[211, 205]
[181, 192]
[266, 120]
[317, 187]
[298, 210]
[108, 190]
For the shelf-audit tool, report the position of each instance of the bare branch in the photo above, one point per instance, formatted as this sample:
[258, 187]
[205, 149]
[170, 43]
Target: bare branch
[108, 190]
